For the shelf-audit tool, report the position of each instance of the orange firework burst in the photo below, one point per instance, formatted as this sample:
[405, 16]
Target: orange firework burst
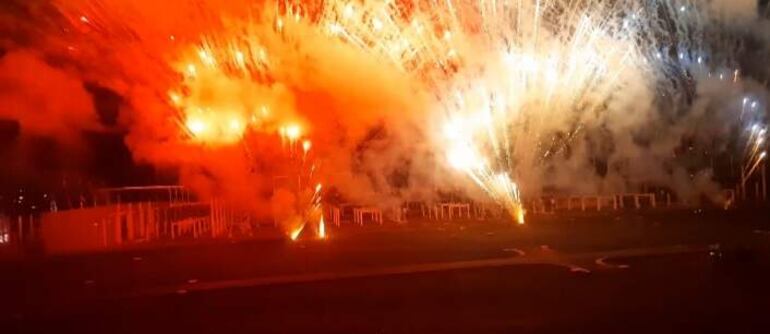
[515, 79]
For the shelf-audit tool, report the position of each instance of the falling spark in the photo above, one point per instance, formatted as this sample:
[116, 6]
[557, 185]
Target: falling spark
[321, 228]
[520, 216]
[295, 233]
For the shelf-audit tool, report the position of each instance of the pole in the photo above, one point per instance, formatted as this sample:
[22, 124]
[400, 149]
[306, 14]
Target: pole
[20, 224]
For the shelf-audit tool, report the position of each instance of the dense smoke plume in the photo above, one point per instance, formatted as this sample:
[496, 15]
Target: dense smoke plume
[44, 100]
[211, 90]
[46, 109]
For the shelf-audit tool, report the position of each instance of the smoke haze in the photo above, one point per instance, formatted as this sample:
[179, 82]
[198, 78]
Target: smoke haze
[375, 129]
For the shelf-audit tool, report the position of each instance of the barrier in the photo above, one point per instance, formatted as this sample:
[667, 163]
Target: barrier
[447, 210]
[112, 226]
[545, 205]
[334, 213]
[374, 213]
[399, 214]
[430, 211]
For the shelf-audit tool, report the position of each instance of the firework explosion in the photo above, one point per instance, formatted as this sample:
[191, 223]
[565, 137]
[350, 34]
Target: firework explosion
[501, 72]
[504, 91]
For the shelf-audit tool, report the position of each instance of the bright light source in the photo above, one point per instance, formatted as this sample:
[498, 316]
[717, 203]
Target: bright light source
[377, 24]
[175, 98]
[191, 70]
[348, 11]
[295, 234]
[293, 131]
[462, 157]
[321, 229]
[196, 126]
[235, 125]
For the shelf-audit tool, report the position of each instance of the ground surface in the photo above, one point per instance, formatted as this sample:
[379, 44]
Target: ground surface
[600, 274]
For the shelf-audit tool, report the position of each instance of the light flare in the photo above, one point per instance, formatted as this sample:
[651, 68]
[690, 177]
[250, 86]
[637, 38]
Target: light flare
[321, 228]
[214, 128]
[296, 232]
[293, 132]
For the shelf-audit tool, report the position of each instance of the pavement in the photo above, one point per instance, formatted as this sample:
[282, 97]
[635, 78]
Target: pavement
[613, 273]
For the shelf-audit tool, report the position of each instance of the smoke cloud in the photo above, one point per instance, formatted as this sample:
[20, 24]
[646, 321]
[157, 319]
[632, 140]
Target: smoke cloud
[210, 91]
[46, 101]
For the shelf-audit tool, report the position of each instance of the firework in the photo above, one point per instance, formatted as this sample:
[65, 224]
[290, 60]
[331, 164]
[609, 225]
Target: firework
[511, 82]
[321, 228]
[755, 136]
[296, 232]
[755, 151]
[514, 81]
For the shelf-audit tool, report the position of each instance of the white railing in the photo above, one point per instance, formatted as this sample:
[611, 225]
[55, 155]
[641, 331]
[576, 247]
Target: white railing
[595, 203]
[118, 225]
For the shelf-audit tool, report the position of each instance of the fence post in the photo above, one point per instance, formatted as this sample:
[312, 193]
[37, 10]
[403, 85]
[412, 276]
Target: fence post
[211, 218]
[142, 221]
[130, 222]
[20, 223]
[118, 222]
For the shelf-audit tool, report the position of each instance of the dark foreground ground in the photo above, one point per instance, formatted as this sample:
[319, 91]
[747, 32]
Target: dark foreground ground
[653, 273]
